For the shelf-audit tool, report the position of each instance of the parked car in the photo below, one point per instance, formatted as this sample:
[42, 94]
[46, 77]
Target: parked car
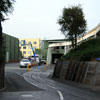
[55, 61]
[43, 61]
[24, 62]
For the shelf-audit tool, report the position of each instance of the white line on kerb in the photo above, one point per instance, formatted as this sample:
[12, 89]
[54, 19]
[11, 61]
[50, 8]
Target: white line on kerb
[61, 96]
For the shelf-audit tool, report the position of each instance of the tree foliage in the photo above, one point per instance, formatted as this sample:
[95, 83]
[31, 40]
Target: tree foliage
[72, 23]
[5, 8]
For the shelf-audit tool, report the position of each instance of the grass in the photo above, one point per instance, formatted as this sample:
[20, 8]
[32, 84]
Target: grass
[86, 51]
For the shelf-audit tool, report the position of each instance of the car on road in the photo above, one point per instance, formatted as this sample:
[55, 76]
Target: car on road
[55, 61]
[24, 62]
[43, 61]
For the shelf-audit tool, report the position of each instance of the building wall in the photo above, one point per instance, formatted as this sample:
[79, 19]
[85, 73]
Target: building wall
[91, 34]
[43, 51]
[25, 46]
[13, 53]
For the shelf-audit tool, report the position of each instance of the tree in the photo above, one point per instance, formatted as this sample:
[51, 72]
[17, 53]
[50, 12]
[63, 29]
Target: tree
[72, 23]
[5, 8]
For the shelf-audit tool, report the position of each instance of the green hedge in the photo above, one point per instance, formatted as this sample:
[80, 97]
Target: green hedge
[85, 51]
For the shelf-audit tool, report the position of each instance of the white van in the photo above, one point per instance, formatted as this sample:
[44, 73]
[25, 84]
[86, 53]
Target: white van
[36, 58]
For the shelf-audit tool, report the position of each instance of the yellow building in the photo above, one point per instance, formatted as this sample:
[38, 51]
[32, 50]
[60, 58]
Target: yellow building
[25, 46]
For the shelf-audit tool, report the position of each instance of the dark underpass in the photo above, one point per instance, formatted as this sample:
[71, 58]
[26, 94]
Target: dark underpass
[55, 57]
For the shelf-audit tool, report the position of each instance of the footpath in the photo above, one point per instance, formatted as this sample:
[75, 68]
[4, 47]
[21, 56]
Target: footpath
[50, 69]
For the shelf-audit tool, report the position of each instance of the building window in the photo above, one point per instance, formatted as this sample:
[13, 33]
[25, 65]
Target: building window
[19, 42]
[34, 47]
[34, 42]
[62, 47]
[29, 47]
[19, 47]
[57, 47]
[25, 57]
[24, 52]
[24, 47]
[69, 46]
[23, 42]
[29, 52]
[29, 42]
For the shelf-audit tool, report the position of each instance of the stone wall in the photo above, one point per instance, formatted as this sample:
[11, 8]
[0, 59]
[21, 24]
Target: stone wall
[78, 71]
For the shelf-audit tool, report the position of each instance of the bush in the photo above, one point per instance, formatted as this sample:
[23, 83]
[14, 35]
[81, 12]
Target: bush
[85, 51]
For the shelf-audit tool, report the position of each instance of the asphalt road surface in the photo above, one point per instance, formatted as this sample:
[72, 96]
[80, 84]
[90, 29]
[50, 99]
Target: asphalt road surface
[15, 82]
[37, 85]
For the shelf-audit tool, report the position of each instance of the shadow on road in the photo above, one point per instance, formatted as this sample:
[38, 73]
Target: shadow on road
[15, 82]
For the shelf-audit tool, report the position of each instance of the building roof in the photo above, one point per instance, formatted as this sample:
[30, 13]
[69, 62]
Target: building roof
[56, 40]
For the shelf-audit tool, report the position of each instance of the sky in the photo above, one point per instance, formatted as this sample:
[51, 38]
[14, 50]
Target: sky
[38, 18]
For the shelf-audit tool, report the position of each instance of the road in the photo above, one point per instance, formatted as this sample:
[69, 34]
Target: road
[37, 85]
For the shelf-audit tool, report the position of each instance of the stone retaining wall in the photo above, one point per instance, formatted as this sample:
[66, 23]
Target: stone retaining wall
[78, 71]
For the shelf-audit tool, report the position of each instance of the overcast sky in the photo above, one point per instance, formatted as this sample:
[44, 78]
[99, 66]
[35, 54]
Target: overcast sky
[38, 18]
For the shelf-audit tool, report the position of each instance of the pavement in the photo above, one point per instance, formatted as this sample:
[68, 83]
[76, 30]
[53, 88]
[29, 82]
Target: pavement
[72, 83]
[68, 90]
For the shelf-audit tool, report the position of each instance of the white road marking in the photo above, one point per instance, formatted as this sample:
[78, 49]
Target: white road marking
[26, 95]
[60, 94]
[51, 86]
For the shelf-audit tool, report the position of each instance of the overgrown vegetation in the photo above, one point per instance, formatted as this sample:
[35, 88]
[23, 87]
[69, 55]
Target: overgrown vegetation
[86, 51]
